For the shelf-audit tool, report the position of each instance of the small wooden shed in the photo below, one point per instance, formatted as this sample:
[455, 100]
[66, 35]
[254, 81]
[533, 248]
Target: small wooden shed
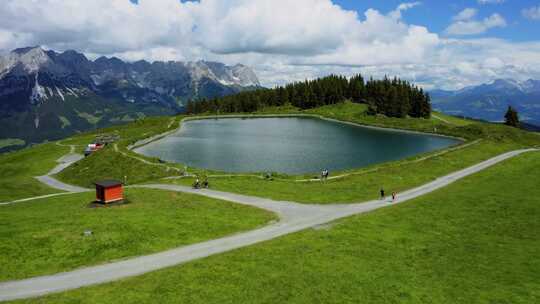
[108, 191]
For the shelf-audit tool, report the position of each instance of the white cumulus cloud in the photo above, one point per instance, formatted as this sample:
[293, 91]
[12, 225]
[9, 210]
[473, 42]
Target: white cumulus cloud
[465, 14]
[282, 40]
[464, 24]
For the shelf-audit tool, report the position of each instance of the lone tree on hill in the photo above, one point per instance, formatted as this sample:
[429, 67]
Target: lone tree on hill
[511, 117]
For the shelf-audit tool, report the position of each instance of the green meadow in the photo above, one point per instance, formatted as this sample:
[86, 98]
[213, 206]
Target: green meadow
[17, 171]
[475, 241]
[46, 236]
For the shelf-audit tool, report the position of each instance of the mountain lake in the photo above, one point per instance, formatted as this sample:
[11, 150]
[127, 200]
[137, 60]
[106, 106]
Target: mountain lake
[292, 145]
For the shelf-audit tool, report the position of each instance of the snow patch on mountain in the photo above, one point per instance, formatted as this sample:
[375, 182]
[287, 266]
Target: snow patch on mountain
[38, 92]
[60, 94]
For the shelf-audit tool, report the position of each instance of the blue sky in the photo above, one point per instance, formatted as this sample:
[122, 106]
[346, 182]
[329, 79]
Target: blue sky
[437, 15]
[436, 44]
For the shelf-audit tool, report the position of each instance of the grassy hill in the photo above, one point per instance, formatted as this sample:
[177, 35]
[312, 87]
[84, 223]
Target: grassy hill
[18, 168]
[46, 236]
[475, 241]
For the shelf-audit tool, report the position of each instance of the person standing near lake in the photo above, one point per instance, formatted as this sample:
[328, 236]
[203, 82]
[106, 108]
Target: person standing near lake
[324, 174]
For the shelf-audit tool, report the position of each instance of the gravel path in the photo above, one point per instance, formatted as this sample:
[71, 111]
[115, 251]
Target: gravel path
[293, 217]
[47, 179]
[63, 162]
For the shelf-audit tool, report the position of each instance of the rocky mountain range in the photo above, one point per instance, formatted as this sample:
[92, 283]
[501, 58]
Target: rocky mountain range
[47, 95]
[490, 101]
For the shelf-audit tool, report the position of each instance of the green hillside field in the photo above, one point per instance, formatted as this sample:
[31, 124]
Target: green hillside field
[475, 241]
[46, 236]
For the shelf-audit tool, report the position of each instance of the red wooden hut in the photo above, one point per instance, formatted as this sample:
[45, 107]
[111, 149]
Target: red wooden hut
[108, 191]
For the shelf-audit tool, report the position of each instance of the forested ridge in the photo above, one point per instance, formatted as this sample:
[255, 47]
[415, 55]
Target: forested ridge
[391, 97]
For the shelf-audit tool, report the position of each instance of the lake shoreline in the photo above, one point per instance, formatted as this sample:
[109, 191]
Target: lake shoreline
[451, 142]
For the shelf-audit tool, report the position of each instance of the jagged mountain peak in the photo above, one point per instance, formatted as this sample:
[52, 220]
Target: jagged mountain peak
[70, 72]
[24, 50]
[29, 59]
[506, 84]
[109, 62]
[246, 75]
[489, 101]
[524, 86]
[502, 84]
[34, 59]
[72, 56]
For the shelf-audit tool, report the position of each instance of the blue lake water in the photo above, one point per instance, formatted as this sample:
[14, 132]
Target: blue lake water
[288, 145]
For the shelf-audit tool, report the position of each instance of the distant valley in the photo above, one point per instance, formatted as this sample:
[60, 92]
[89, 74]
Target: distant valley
[46, 95]
[490, 101]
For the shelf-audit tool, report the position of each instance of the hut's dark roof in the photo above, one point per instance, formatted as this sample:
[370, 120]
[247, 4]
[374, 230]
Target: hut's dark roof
[108, 183]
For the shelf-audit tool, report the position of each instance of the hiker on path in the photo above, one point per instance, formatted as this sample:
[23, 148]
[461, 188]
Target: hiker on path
[393, 196]
[382, 194]
[197, 183]
[324, 174]
[205, 183]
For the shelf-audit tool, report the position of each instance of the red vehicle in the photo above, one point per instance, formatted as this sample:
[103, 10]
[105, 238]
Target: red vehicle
[92, 148]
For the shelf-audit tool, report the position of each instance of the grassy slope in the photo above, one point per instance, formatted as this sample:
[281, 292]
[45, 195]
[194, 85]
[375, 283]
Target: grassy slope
[352, 112]
[18, 168]
[46, 236]
[476, 241]
[108, 163]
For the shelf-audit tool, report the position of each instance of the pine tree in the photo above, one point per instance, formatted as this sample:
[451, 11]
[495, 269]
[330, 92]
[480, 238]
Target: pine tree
[511, 118]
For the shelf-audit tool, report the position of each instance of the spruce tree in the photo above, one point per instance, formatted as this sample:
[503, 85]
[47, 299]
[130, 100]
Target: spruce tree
[511, 117]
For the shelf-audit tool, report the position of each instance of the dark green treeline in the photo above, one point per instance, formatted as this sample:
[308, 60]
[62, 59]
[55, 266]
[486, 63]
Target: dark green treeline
[393, 98]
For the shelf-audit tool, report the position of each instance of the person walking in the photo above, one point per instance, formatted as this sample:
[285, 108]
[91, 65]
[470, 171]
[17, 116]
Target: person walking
[324, 174]
[382, 194]
[205, 183]
[393, 196]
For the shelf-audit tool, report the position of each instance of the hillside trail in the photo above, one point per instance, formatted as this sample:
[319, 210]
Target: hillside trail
[63, 162]
[293, 217]
[441, 119]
